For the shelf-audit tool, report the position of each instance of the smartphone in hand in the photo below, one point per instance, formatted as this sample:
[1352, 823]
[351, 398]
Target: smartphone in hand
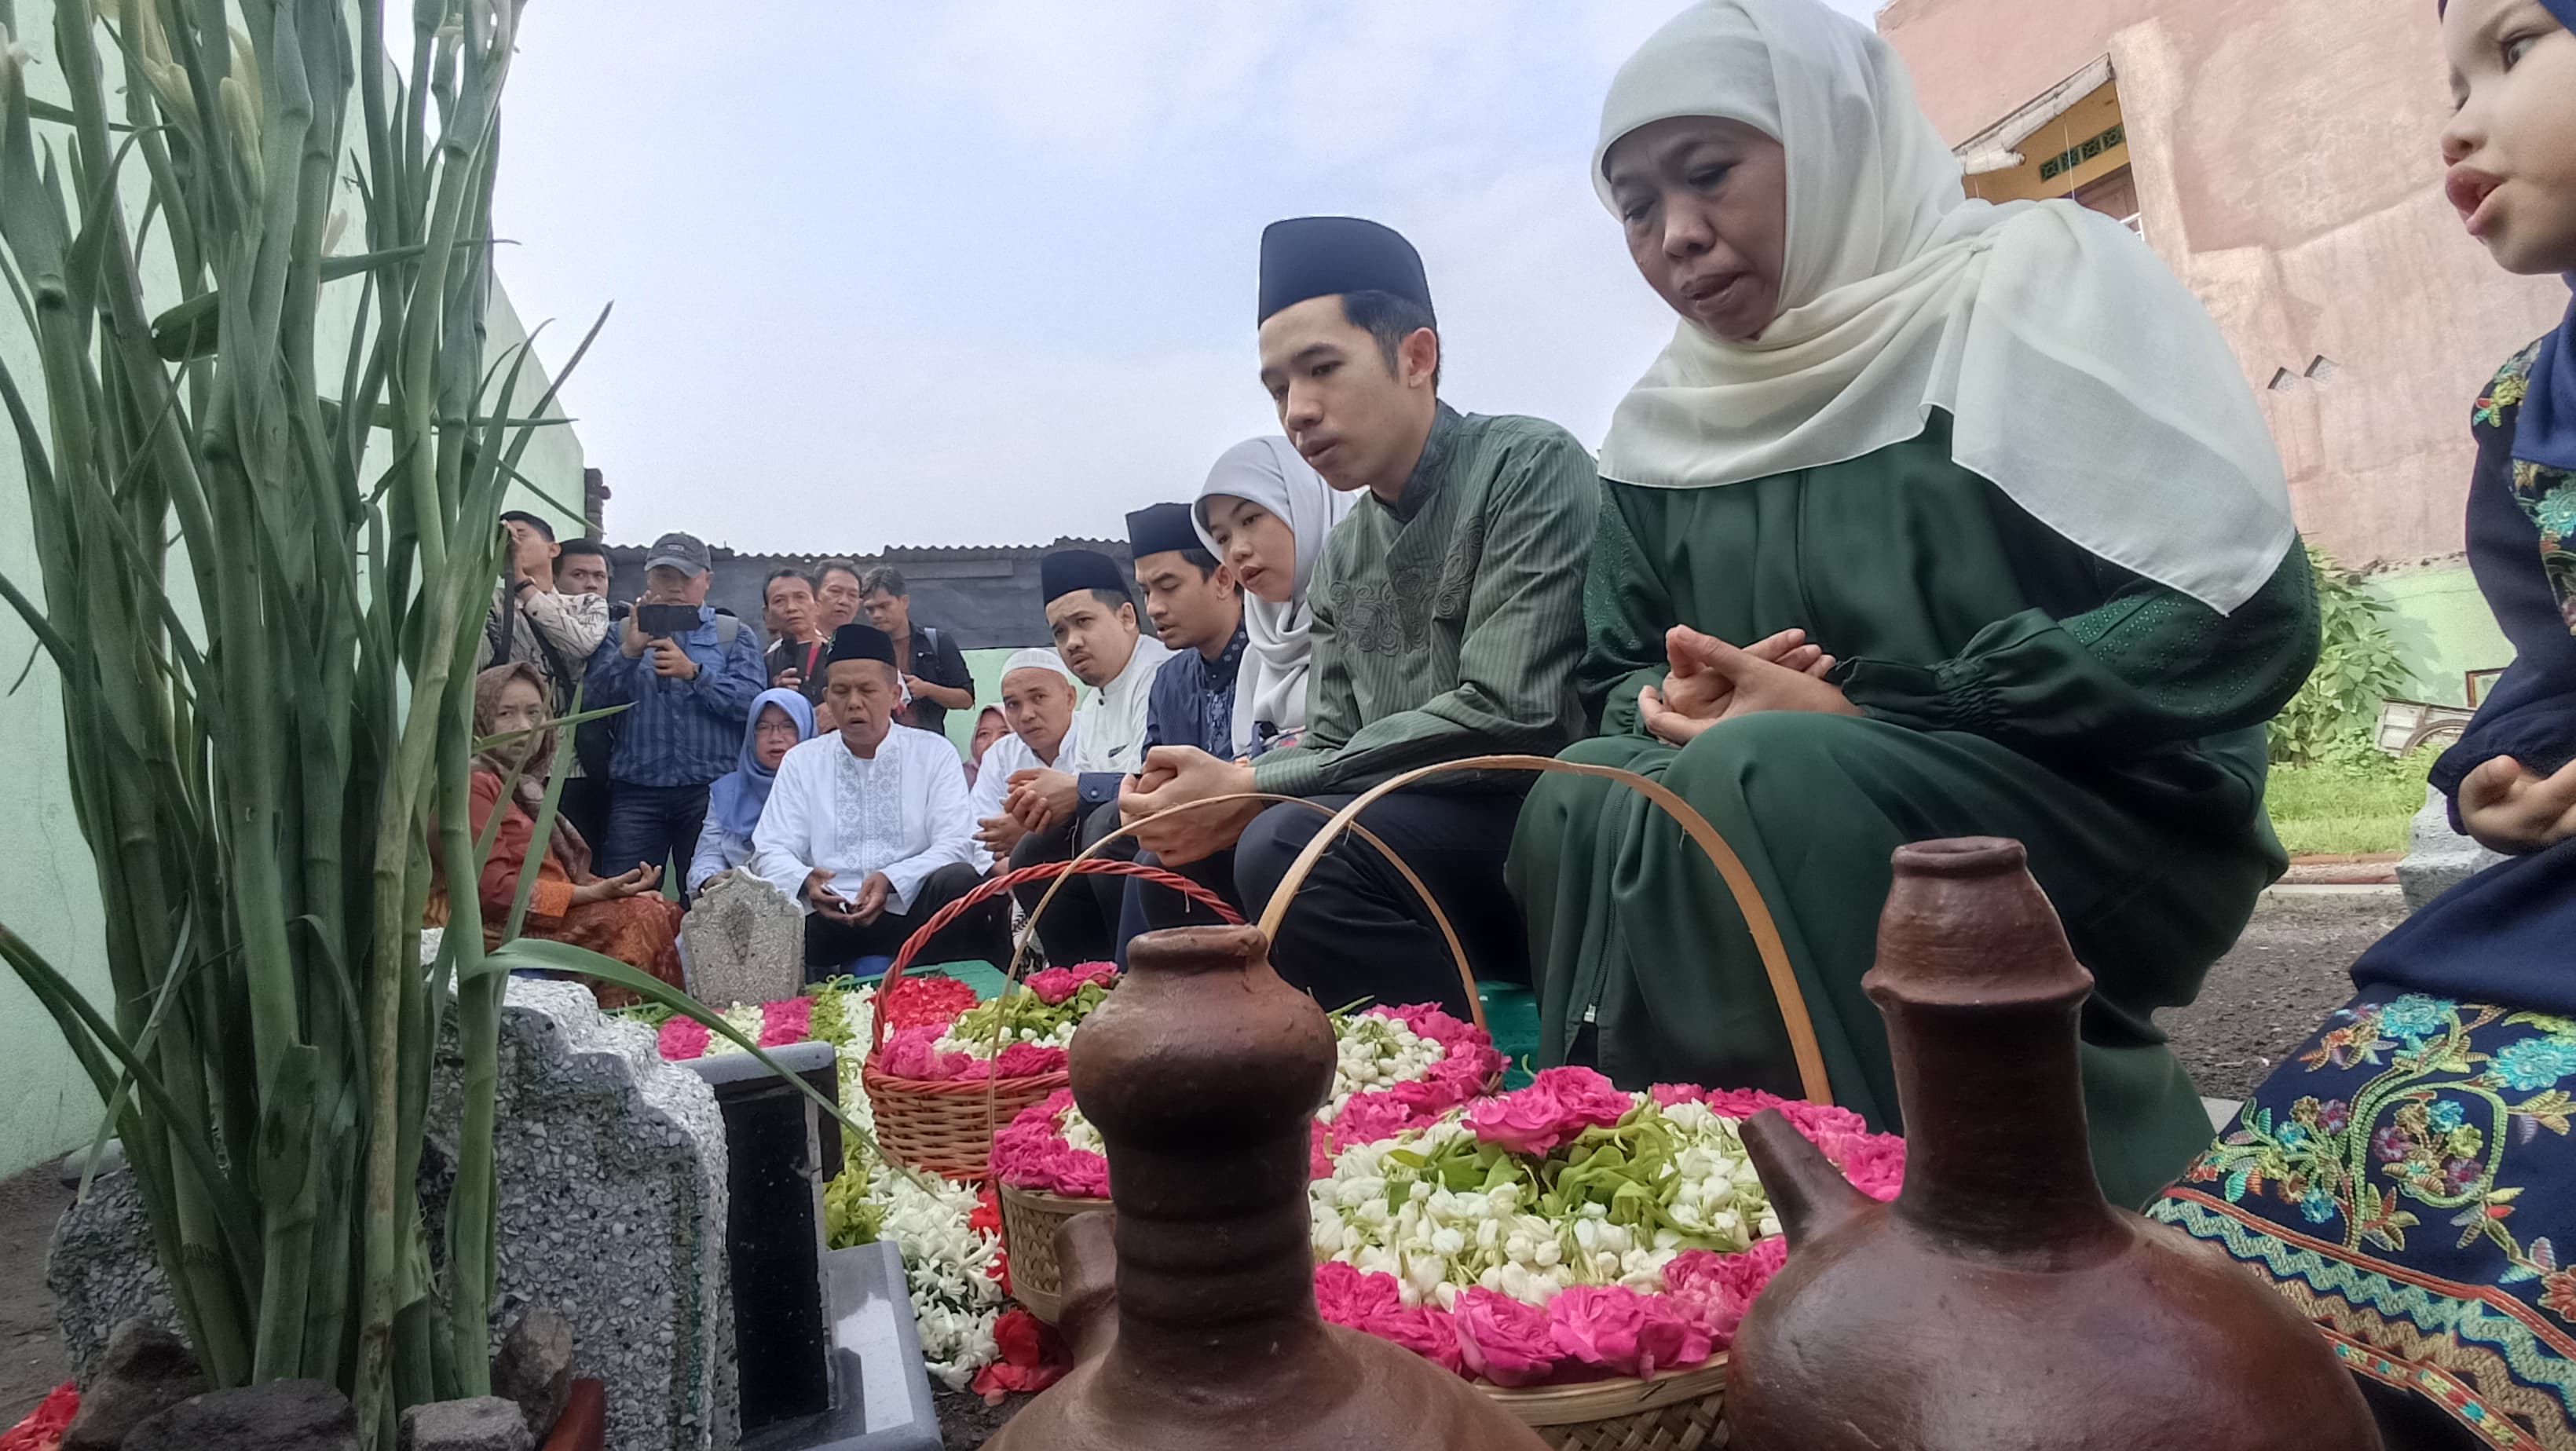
[665, 622]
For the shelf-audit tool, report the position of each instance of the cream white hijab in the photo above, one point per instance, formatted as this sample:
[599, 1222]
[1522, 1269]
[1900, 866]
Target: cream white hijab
[2082, 378]
[1272, 683]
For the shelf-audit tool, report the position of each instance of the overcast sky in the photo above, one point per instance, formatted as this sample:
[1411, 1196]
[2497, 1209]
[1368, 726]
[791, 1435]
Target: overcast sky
[982, 272]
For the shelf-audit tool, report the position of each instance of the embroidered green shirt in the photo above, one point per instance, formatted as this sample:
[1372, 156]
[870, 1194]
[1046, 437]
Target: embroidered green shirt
[1449, 625]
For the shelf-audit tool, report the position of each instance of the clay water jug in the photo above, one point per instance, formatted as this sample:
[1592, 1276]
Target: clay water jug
[2001, 1304]
[1191, 1310]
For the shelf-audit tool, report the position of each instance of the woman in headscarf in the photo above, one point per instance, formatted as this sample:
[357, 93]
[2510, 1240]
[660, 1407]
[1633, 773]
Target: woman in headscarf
[781, 720]
[621, 917]
[1265, 513]
[1936, 518]
[989, 727]
[2406, 1177]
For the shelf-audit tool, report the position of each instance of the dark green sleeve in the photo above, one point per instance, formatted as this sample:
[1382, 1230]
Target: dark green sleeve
[1332, 708]
[1523, 640]
[2149, 667]
[1626, 611]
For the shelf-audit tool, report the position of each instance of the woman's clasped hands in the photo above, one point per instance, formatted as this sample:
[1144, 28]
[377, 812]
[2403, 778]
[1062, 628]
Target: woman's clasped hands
[1711, 681]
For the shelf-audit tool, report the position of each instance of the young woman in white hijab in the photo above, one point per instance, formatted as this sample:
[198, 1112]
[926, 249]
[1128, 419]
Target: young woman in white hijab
[1936, 518]
[1265, 513]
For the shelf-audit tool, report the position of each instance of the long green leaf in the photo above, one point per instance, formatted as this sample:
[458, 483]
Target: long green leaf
[181, 959]
[82, 1023]
[575, 717]
[188, 329]
[263, 684]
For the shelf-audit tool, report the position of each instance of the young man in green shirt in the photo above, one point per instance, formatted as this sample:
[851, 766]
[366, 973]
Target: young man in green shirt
[1448, 620]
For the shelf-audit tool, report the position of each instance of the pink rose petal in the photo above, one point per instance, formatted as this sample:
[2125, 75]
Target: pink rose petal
[1428, 1331]
[683, 1039]
[1558, 1105]
[789, 1020]
[1503, 1340]
[1598, 1325]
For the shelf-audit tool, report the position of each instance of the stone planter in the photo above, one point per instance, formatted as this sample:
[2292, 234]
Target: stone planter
[612, 1207]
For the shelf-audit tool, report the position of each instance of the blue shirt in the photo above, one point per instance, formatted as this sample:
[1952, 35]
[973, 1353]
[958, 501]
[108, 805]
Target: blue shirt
[678, 732]
[1191, 702]
[719, 850]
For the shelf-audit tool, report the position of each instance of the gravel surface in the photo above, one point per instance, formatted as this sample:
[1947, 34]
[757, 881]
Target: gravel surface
[2259, 1002]
[31, 1354]
[2287, 972]
[965, 1422]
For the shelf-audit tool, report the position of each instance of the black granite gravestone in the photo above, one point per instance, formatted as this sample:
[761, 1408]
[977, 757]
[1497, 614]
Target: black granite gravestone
[779, 1151]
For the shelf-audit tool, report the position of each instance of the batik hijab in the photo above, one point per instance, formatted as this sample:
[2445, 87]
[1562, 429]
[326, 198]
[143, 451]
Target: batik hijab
[1270, 689]
[737, 797]
[2081, 377]
[533, 760]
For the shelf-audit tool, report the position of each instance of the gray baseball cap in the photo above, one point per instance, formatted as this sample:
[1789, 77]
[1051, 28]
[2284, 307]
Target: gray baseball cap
[684, 552]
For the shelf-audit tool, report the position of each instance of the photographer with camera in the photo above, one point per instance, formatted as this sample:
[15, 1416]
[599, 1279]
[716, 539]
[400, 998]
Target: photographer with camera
[689, 675]
[535, 621]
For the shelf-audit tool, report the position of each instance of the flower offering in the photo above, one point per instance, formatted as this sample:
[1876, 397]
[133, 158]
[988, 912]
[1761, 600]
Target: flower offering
[1568, 1231]
[1020, 1034]
[1565, 1232]
[1396, 1069]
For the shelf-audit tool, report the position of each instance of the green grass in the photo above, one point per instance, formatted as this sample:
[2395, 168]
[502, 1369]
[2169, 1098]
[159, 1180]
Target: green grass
[2338, 809]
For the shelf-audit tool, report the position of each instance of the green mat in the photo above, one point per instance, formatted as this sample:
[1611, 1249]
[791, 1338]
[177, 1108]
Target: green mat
[1511, 1015]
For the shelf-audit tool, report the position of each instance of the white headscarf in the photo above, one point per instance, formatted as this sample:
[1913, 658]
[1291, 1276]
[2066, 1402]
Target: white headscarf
[2082, 378]
[1267, 471]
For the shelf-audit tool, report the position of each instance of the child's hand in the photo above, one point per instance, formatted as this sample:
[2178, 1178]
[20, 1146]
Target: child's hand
[2509, 809]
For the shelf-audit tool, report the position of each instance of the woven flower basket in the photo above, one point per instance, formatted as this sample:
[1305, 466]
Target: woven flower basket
[1677, 1411]
[1030, 1218]
[945, 1126]
[1680, 1411]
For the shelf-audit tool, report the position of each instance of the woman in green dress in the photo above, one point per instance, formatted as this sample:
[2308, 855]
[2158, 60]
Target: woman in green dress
[1936, 518]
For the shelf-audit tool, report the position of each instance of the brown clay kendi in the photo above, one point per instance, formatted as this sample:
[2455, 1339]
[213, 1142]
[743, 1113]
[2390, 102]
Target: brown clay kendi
[2001, 1304]
[1192, 1316]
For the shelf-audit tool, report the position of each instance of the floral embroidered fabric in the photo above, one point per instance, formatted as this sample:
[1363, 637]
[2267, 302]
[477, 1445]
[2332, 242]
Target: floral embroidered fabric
[2406, 1179]
[2547, 495]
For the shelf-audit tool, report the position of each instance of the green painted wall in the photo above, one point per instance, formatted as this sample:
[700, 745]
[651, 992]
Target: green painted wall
[2442, 629]
[48, 893]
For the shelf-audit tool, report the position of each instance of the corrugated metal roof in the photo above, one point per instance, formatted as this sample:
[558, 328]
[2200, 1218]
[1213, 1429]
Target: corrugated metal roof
[987, 595]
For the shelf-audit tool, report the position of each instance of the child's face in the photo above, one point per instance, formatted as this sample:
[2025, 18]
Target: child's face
[2512, 146]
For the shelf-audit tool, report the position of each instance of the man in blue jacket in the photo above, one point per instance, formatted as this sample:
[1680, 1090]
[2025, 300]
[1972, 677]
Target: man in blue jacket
[688, 688]
[1197, 611]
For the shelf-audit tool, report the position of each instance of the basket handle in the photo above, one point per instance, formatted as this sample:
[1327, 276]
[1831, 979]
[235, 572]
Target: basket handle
[992, 887]
[1440, 919]
[1748, 898]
